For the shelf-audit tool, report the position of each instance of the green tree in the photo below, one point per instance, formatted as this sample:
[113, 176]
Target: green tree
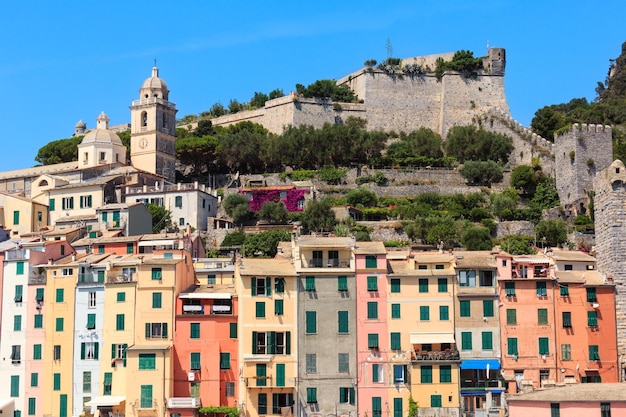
[236, 238]
[318, 216]
[276, 93]
[327, 89]
[361, 197]
[523, 178]
[503, 202]
[332, 175]
[205, 128]
[198, 152]
[476, 238]
[547, 121]
[234, 106]
[217, 110]
[237, 207]
[265, 244]
[467, 143]
[258, 100]
[553, 231]
[546, 196]
[188, 119]
[481, 172]
[274, 212]
[58, 151]
[161, 217]
[517, 245]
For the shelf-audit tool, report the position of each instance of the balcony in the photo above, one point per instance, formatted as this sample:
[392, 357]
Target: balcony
[326, 263]
[154, 100]
[15, 254]
[435, 355]
[184, 402]
[193, 309]
[471, 384]
[88, 279]
[121, 278]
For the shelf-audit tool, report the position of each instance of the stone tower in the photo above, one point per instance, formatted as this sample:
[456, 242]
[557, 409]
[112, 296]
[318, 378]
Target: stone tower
[495, 63]
[579, 153]
[610, 225]
[153, 129]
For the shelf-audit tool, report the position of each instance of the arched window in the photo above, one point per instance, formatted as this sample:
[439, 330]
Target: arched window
[144, 119]
[43, 183]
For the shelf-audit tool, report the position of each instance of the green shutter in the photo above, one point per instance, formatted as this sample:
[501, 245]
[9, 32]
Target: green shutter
[59, 324]
[372, 340]
[288, 343]
[511, 316]
[395, 285]
[16, 217]
[148, 333]
[426, 374]
[157, 274]
[37, 351]
[164, 330]
[370, 261]
[395, 311]
[311, 322]
[395, 341]
[372, 310]
[146, 396]
[261, 375]
[129, 248]
[233, 330]
[509, 289]
[268, 286]
[280, 374]
[423, 285]
[224, 360]
[445, 373]
[592, 318]
[377, 406]
[592, 296]
[564, 290]
[63, 405]
[397, 407]
[544, 348]
[194, 361]
[156, 300]
[19, 268]
[435, 401]
[51, 204]
[260, 309]
[465, 308]
[343, 325]
[279, 285]
[372, 283]
[487, 341]
[59, 294]
[194, 330]
[271, 343]
[442, 285]
[119, 324]
[542, 316]
[82, 350]
[15, 386]
[512, 345]
[121, 296]
[487, 308]
[342, 283]
[444, 313]
[91, 321]
[375, 372]
[255, 348]
[18, 294]
[466, 340]
[253, 284]
[278, 307]
[594, 353]
[309, 283]
[34, 379]
[39, 295]
[541, 289]
[424, 313]
[56, 382]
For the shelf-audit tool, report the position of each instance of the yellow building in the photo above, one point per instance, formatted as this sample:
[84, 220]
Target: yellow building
[422, 296]
[267, 333]
[21, 215]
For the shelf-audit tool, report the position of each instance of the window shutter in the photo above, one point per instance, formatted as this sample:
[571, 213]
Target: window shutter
[164, 331]
[280, 374]
[82, 350]
[113, 351]
[253, 285]
[268, 286]
[288, 342]
[271, 343]
[96, 350]
[254, 345]
[148, 333]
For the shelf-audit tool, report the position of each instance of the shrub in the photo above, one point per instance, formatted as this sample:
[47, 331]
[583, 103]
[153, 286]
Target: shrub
[332, 175]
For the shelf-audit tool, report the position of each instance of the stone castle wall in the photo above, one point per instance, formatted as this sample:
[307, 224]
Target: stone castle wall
[579, 153]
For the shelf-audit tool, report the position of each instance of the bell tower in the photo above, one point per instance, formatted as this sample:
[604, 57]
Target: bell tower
[153, 129]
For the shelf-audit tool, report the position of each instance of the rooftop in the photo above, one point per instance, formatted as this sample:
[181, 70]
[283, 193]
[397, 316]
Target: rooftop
[575, 392]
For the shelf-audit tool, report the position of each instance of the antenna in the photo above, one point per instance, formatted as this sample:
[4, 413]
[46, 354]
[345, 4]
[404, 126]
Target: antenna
[487, 46]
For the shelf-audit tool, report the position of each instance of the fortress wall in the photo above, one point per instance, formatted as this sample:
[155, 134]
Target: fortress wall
[592, 151]
[255, 116]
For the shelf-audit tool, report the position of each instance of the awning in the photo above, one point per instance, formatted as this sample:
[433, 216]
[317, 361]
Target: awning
[149, 347]
[206, 296]
[106, 401]
[418, 338]
[5, 402]
[494, 364]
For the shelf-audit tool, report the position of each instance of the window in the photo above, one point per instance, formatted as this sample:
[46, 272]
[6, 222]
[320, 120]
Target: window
[424, 313]
[118, 351]
[224, 360]
[445, 373]
[541, 289]
[377, 373]
[34, 379]
[564, 290]
[156, 330]
[487, 341]
[56, 382]
[311, 363]
[37, 351]
[605, 409]
[101, 249]
[372, 310]
[51, 204]
[442, 285]
[397, 407]
[426, 374]
[466, 340]
[59, 324]
[56, 353]
[370, 261]
[395, 311]
[280, 374]
[511, 316]
[262, 403]
[342, 283]
[594, 353]
[261, 286]
[465, 308]
[91, 299]
[377, 407]
[592, 318]
[178, 202]
[230, 389]
[486, 278]
[32, 406]
[422, 267]
[487, 308]
[273, 343]
[89, 350]
[395, 285]
[119, 322]
[509, 289]
[372, 340]
[439, 266]
[395, 341]
[17, 323]
[39, 295]
[544, 346]
[15, 386]
[16, 354]
[156, 300]
[467, 278]
[423, 285]
[311, 395]
[157, 274]
[86, 381]
[309, 283]
[278, 307]
[147, 361]
[261, 375]
[311, 322]
[181, 221]
[85, 201]
[146, 396]
[233, 330]
[555, 410]
[566, 352]
[435, 401]
[343, 325]
[279, 285]
[18, 294]
[343, 361]
[59, 293]
[400, 374]
[67, 203]
[194, 330]
[591, 295]
[260, 309]
[346, 395]
[567, 319]
[542, 316]
[107, 383]
[444, 313]
[372, 283]
[91, 321]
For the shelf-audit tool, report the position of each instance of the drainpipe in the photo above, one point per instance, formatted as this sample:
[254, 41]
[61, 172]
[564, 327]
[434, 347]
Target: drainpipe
[556, 345]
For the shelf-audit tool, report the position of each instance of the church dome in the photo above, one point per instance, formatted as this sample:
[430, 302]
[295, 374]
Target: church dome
[102, 134]
[154, 86]
[80, 124]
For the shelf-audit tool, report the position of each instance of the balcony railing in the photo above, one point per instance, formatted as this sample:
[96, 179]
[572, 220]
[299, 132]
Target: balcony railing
[89, 279]
[326, 263]
[184, 402]
[153, 100]
[436, 355]
[15, 254]
[480, 384]
[120, 278]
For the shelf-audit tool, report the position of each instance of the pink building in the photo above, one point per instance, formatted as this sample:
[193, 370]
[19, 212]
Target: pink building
[575, 400]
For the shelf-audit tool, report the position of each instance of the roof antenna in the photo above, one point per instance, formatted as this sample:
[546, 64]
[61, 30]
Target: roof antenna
[155, 62]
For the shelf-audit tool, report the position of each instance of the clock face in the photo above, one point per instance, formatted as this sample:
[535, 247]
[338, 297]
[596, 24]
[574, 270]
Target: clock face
[143, 143]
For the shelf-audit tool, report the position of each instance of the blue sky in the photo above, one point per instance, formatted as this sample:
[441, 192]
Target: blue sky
[65, 61]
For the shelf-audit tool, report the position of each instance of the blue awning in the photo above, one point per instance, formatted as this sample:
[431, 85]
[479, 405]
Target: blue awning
[494, 364]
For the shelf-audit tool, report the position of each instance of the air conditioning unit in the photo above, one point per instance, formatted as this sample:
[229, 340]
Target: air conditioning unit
[191, 376]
